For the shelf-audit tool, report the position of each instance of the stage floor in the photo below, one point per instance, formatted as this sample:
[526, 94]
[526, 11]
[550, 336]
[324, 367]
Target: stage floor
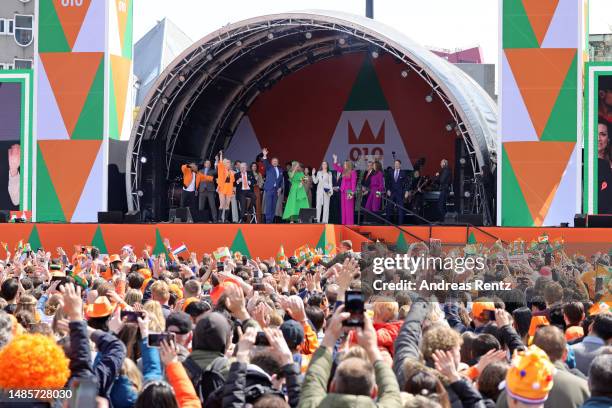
[264, 240]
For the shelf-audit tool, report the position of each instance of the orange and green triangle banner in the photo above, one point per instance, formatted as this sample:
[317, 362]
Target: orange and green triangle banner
[98, 241]
[327, 241]
[159, 247]
[34, 239]
[401, 244]
[240, 245]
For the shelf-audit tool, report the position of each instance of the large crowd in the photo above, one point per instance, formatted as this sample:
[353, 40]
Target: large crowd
[135, 329]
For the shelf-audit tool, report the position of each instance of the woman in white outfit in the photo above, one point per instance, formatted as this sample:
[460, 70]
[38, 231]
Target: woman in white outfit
[323, 180]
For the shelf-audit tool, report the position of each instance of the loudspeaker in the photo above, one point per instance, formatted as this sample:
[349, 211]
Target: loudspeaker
[4, 216]
[132, 217]
[181, 214]
[599, 221]
[110, 217]
[451, 218]
[580, 221]
[307, 215]
[474, 219]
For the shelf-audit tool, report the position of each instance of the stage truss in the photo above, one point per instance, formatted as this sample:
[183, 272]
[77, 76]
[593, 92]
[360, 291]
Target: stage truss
[321, 36]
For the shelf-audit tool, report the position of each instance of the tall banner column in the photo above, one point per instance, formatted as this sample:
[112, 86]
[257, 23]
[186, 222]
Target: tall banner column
[540, 72]
[80, 103]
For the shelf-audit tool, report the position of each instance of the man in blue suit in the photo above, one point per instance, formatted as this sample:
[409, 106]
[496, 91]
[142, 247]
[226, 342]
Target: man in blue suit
[273, 186]
[397, 186]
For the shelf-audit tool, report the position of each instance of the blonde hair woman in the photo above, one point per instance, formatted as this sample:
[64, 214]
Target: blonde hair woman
[225, 185]
[157, 322]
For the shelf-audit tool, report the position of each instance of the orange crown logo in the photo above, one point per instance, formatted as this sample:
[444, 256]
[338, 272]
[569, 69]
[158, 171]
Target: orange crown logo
[366, 136]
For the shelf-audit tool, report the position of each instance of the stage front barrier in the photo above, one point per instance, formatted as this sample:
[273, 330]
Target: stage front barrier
[264, 241]
[541, 112]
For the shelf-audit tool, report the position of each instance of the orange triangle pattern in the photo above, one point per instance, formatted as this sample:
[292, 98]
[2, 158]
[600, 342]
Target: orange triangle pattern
[71, 75]
[122, 16]
[71, 18]
[538, 167]
[539, 74]
[69, 163]
[121, 74]
[540, 14]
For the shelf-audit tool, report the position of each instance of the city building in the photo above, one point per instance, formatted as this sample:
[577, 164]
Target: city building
[17, 34]
[600, 47]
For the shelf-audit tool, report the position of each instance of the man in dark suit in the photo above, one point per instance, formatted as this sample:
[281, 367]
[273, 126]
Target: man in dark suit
[245, 183]
[207, 190]
[445, 178]
[273, 185]
[334, 201]
[398, 184]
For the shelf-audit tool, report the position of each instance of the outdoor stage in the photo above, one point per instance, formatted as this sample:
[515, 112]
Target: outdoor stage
[264, 241]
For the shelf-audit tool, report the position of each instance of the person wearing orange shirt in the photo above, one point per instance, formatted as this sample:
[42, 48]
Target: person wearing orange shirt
[225, 185]
[191, 181]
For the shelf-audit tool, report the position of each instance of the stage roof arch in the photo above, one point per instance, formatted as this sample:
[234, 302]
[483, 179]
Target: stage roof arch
[228, 68]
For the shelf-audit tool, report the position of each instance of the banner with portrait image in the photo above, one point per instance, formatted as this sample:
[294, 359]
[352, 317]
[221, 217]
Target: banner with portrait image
[15, 139]
[597, 142]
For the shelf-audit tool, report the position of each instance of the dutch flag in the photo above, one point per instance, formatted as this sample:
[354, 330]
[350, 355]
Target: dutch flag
[178, 250]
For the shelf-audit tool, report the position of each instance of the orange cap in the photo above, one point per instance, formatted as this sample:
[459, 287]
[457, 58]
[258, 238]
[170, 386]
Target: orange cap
[530, 376]
[478, 309]
[146, 273]
[101, 307]
[188, 301]
[174, 288]
[114, 258]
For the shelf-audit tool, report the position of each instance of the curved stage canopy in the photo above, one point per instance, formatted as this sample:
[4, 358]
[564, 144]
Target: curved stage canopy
[199, 101]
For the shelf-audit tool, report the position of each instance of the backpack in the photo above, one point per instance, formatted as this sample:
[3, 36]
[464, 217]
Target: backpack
[207, 381]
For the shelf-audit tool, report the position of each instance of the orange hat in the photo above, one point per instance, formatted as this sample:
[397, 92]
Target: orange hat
[599, 307]
[174, 288]
[146, 273]
[101, 307]
[187, 302]
[530, 376]
[33, 361]
[478, 308]
[574, 332]
[536, 322]
[114, 258]
[218, 290]
[144, 284]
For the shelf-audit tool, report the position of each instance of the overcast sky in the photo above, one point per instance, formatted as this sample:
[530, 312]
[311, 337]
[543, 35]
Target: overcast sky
[446, 24]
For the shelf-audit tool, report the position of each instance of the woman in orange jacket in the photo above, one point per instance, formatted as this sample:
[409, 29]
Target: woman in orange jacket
[225, 185]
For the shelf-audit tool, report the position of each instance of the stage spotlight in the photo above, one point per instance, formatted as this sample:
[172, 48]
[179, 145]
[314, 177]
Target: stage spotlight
[270, 36]
[140, 193]
[182, 78]
[458, 131]
[450, 126]
[342, 41]
[150, 128]
[238, 43]
[308, 36]
[164, 100]
[462, 161]
[404, 74]
[375, 54]
[467, 194]
[143, 159]
[429, 98]
[209, 57]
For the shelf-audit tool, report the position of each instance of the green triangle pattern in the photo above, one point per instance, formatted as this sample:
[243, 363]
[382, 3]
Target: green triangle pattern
[113, 125]
[34, 239]
[159, 244]
[367, 94]
[322, 241]
[515, 212]
[240, 245]
[401, 244]
[90, 125]
[562, 124]
[472, 239]
[98, 241]
[128, 38]
[517, 30]
[48, 207]
[51, 37]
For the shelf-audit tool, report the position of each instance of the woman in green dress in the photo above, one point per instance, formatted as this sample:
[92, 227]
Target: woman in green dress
[297, 198]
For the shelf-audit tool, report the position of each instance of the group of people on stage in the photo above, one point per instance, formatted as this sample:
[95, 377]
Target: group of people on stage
[265, 192]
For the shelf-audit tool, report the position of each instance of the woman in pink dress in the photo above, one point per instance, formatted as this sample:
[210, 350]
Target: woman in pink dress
[377, 188]
[347, 190]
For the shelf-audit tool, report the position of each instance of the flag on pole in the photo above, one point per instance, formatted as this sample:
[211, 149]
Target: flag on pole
[221, 253]
[303, 253]
[179, 249]
[280, 255]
